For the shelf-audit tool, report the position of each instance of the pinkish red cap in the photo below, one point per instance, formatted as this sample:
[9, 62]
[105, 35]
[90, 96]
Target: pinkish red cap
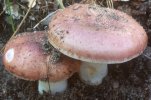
[96, 34]
[25, 57]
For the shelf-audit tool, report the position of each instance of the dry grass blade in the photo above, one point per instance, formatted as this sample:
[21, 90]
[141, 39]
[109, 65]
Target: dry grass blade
[110, 3]
[60, 3]
[45, 20]
[19, 24]
[88, 1]
[2, 12]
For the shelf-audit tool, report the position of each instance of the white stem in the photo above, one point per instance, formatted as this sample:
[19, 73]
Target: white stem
[53, 87]
[93, 73]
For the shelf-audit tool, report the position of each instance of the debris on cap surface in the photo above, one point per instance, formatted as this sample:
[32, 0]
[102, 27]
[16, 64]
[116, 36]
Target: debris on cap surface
[96, 34]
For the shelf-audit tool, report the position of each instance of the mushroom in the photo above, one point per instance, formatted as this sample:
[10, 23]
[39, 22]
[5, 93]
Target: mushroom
[97, 36]
[29, 56]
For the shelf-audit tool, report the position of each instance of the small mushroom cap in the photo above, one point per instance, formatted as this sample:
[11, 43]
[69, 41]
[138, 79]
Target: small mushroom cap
[96, 34]
[26, 58]
[26, 61]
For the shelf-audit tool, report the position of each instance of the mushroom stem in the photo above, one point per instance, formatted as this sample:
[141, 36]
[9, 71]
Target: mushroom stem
[93, 73]
[53, 87]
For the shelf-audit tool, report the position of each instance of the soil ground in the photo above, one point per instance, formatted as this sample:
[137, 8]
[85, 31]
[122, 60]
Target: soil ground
[128, 81]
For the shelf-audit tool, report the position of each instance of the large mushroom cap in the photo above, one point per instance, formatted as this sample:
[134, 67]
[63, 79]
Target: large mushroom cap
[96, 34]
[26, 57]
